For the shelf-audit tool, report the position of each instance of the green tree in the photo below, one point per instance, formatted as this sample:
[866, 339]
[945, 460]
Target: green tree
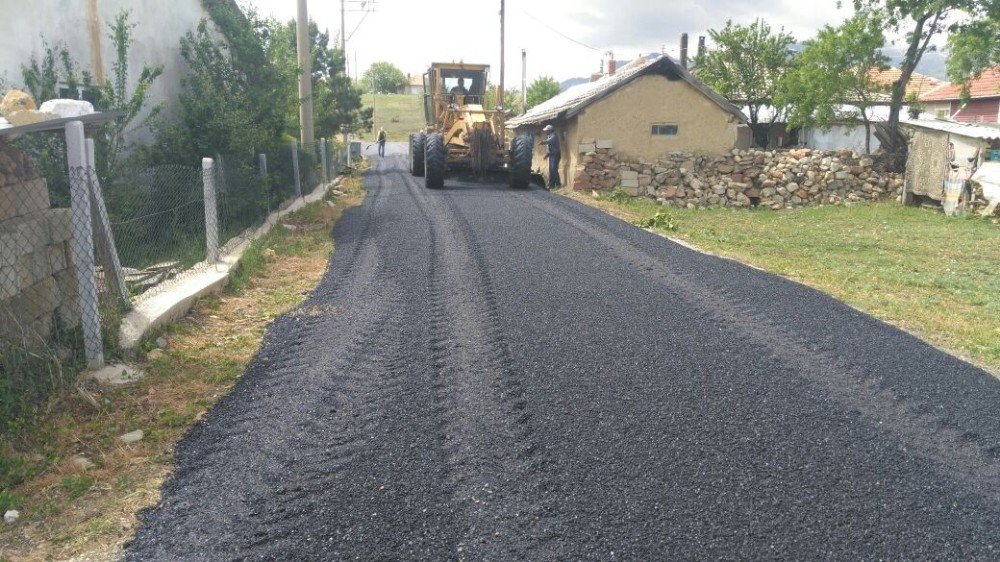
[747, 66]
[42, 76]
[512, 102]
[237, 93]
[922, 21]
[833, 70]
[542, 89]
[384, 78]
[117, 95]
[974, 47]
[337, 105]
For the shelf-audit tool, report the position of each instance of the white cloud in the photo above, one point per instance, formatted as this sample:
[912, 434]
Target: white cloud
[413, 33]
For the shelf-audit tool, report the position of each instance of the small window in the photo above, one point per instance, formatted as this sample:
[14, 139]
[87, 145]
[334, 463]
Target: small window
[664, 130]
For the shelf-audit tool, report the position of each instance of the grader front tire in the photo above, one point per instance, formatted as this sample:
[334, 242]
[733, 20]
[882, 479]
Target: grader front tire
[521, 149]
[417, 154]
[434, 161]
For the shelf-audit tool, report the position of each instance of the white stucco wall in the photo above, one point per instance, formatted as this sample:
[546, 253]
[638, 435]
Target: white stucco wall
[159, 26]
[840, 137]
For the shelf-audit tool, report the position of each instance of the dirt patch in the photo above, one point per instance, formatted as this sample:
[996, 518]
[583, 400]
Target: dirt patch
[68, 512]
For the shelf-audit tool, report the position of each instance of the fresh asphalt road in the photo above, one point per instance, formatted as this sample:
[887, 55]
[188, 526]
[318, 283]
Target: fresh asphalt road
[488, 374]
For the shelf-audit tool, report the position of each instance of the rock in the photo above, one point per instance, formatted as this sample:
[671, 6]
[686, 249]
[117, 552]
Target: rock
[155, 355]
[132, 437]
[81, 462]
[11, 516]
[15, 101]
[67, 108]
[116, 374]
[161, 342]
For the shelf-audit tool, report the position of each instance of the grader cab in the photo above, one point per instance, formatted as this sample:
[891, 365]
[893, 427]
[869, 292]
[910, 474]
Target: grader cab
[462, 133]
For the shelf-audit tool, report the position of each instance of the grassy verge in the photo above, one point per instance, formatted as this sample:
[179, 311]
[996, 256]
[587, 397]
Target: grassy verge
[399, 114]
[67, 511]
[932, 275]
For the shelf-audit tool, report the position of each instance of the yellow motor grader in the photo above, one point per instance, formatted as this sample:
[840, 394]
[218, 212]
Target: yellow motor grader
[461, 133]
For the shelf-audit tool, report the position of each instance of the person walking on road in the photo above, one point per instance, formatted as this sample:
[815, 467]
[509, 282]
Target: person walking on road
[553, 155]
[380, 139]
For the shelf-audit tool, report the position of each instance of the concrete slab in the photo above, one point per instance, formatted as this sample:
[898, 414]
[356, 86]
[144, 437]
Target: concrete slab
[116, 374]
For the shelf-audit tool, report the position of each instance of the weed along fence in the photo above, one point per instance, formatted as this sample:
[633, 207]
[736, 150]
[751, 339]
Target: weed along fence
[82, 248]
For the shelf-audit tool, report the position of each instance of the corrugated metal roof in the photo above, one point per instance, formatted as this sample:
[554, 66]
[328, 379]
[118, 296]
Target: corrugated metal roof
[972, 130]
[576, 99]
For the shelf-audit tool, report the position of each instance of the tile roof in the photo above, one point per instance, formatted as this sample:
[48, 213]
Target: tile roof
[576, 99]
[919, 83]
[416, 80]
[986, 86]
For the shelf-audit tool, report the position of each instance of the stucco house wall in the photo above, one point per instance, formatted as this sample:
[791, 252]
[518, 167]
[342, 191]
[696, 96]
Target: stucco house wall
[627, 116]
[839, 137]
[83, 26]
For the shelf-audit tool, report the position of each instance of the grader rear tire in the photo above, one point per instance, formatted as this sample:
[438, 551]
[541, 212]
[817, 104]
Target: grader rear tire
[434, 161]
[521, 149]
[417, 154]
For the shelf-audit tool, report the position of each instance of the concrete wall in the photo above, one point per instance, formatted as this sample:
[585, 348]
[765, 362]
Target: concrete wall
[37, 282]
[840, 137]
[82, 25]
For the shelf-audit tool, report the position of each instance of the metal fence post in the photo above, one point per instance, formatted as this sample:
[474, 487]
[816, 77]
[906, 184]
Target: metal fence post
[322, 159]
[211, 210]
[106, 239]
[295, 167]
[83, 244]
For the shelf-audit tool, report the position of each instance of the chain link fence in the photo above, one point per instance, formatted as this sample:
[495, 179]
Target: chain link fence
[77, 250]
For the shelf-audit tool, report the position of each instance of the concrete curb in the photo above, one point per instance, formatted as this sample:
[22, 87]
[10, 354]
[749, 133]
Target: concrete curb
[174, 301]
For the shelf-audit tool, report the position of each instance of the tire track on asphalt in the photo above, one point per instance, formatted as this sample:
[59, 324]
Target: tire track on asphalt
[495, 470]
[891, 414]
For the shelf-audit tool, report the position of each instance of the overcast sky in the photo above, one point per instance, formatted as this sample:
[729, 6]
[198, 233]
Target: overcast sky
[413, 33]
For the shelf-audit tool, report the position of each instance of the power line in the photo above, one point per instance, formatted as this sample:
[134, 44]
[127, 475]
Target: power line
[561, 34]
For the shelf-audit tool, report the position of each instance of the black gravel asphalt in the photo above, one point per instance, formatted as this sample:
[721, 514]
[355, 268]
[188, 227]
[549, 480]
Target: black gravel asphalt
[486, 374]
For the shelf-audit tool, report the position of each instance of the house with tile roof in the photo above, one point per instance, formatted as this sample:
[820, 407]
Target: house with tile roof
[414, 85]
[643, 110]
[982, 106]
[918, 85]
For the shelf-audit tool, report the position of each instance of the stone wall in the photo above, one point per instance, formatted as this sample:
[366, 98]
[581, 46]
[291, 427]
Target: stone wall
[37, 281]
[742, 178]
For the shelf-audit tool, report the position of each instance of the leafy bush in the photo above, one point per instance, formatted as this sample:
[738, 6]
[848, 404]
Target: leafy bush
[660, 220]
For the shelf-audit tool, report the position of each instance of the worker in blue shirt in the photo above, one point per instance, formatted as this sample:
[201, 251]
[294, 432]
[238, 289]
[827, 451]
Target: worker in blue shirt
[553, 155]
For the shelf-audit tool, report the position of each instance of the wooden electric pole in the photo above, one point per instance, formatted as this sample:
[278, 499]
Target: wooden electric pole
[501, 92]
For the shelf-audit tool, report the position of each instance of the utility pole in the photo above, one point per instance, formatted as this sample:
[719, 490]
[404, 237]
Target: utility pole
[501, 92]
[343, 30]
[305, 77]
[524, 80]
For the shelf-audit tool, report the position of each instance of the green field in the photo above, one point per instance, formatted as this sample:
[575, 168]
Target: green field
[932, 275]
[399, 114]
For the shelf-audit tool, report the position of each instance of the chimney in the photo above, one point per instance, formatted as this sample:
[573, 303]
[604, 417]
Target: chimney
[701, 46]
[684, 50]
[612, 64]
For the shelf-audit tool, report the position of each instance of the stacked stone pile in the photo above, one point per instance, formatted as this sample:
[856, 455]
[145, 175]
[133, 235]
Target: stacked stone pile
[743, 178]
[37, 281]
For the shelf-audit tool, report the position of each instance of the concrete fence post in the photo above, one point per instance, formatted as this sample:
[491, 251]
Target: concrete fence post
[83, 244]
[102, 228]
[211, 210]
[262, 160]
[295, 168]
[323, 161]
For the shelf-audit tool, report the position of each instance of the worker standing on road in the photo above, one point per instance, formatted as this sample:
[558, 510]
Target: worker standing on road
[380, 139]
[553, 155]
